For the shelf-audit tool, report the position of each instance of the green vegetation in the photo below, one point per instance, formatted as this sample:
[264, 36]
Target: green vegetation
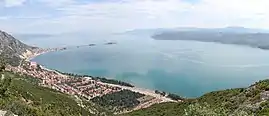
[174, 96]
[104, 80]
[4, 85]
[2, 67]
[164, 109]
[169, 95]
[2, 64]
[119, 101]
[4, 82]
[160, 92]
[96, 109]
[238, 102]
[23, 96]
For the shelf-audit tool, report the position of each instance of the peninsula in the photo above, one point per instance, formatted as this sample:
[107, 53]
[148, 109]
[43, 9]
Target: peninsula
[230, 35]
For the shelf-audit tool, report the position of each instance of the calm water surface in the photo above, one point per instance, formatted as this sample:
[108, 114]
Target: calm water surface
[188, 68]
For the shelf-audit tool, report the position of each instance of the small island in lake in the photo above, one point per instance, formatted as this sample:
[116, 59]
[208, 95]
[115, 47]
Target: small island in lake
[110, 43]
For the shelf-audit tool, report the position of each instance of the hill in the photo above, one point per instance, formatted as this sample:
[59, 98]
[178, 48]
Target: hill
[22, 96]
[231, 35]
[253, 100]
[12, 50]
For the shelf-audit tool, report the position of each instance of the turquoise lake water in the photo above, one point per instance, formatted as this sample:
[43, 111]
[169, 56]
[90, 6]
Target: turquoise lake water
[187, 68]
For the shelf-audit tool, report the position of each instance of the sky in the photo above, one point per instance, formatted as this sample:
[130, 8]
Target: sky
[67, 16]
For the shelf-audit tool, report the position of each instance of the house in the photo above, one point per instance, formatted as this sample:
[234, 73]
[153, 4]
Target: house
[33, 64]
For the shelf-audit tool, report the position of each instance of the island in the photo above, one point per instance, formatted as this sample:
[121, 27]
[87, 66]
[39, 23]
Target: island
[92, 44]
[110, 43]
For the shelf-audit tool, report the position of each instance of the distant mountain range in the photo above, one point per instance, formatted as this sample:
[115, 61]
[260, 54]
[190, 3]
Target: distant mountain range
[233, 29]
[186, 29]
[231, 35]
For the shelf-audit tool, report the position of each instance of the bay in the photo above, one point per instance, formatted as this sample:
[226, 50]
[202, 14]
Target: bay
[187, 68]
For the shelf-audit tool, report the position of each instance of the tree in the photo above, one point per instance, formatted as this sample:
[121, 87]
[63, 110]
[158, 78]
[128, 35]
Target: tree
[175, 97]
[4, 85]
[2, 64]
[2, 67]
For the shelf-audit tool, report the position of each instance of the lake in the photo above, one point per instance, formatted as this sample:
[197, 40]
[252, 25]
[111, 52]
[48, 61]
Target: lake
[187, 68]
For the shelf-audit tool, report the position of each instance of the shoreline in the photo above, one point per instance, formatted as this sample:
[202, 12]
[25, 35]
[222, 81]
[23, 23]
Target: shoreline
[29, 57]
[144, 91]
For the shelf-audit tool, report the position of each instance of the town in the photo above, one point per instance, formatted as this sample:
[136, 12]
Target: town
[84, 86]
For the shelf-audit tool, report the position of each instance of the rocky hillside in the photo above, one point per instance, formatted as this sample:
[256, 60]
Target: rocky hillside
[12, 49]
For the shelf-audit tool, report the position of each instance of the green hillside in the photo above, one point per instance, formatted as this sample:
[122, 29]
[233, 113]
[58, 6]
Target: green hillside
[237, 102]
[22, 96]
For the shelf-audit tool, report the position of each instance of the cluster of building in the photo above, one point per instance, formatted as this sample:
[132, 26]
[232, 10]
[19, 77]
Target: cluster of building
[91, 88]
[86, 87]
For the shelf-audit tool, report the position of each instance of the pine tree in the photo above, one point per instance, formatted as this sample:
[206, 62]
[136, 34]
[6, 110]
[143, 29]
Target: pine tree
[2, 64]
[4, 84]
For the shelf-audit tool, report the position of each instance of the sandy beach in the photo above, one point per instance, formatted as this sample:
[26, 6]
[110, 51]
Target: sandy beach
[144, 91]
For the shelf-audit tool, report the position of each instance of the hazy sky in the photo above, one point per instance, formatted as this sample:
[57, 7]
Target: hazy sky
[57, 16]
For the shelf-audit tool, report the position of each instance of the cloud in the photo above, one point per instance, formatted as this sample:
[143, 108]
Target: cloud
[168, 13]
[12, 3]
[117, 16]
[3, 18]
[113, 15]
[57, 3]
